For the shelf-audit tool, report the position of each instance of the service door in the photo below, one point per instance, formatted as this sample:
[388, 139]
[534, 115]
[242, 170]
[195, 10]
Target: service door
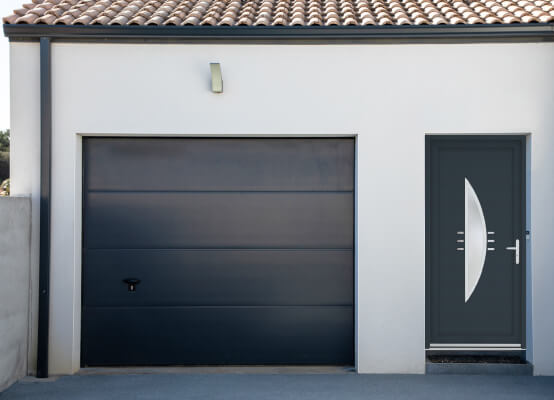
[218, 251]
[476, 242]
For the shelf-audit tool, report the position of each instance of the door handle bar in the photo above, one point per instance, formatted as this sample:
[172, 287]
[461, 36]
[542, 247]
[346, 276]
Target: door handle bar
[516, 249]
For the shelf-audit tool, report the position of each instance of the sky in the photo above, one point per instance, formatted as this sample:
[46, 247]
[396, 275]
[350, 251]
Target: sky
[6, 7]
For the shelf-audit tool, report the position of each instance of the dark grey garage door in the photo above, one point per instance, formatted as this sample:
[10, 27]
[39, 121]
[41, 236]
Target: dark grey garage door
[218, 251]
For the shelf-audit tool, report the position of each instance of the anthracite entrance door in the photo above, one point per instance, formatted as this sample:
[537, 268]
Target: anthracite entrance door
[218, 251]
[475, 242]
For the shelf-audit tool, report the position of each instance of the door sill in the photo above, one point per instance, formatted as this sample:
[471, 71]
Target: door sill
[475, 347]
[476, 367]
[496, 362]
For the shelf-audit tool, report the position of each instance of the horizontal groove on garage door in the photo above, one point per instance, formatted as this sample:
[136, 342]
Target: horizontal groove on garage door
[220, 191]
[211, 336]
[219, 164]
[233, 277]
[221, 306]
[191, 220]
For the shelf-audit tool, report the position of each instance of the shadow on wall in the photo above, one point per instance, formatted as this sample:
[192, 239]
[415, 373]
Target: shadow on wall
[15, 248]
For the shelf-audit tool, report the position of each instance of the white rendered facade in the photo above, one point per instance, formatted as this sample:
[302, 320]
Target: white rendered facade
[389, 97]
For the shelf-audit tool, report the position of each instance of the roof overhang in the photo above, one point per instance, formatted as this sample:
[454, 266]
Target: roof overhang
[350, 34]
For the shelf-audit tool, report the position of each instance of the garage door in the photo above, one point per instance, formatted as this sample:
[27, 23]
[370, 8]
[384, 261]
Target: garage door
[218, 251]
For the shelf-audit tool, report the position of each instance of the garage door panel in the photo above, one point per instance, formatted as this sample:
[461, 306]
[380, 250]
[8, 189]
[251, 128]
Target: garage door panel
[211, 335]
[244, 249]
[219, 164]
[219, 220]
[207, 277]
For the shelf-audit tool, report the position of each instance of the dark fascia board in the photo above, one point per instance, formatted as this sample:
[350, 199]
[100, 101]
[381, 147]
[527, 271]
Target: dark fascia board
[423, 33]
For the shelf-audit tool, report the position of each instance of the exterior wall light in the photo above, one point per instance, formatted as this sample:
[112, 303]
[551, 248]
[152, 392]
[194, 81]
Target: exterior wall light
[217, 78]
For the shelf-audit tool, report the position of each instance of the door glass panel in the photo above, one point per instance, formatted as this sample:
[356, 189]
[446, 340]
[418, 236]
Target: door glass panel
[475, 240]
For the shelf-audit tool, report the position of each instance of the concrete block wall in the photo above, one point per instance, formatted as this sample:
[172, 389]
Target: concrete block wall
[15, 247]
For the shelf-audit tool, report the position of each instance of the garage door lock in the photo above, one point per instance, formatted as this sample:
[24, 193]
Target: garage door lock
[132, 284]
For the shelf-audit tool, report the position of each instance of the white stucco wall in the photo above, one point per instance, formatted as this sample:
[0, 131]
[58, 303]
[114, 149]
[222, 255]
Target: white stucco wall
[390, 96]
[25, 159]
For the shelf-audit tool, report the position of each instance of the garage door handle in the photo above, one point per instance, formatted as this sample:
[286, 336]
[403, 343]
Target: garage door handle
[132, 283]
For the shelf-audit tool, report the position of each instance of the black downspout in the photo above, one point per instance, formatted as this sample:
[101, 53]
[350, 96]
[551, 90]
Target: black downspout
[45, 206]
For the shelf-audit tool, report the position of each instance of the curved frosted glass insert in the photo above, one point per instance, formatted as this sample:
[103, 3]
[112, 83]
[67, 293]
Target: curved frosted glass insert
[475, 240]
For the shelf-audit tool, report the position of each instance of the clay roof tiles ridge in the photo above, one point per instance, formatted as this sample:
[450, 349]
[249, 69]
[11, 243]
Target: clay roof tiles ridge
[281, 12]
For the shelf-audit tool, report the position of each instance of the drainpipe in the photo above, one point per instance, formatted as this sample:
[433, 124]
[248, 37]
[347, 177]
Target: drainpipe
[45, 205]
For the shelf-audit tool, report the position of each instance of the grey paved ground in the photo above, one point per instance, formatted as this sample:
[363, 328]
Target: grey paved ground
[284, 387]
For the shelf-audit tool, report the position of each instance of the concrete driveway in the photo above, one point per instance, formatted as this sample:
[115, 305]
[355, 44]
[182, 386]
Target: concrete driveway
[282, 386]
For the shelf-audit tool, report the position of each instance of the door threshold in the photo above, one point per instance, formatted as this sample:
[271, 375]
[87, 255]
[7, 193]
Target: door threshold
[489, 353]
[218, 369]
[478, 363]
[453, 349]
[478, 368]
[475, 347]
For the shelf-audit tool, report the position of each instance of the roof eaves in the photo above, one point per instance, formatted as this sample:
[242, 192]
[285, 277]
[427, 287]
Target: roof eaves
[477, 32]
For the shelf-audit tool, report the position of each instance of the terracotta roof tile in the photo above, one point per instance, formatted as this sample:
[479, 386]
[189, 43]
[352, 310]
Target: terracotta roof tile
[282, 12]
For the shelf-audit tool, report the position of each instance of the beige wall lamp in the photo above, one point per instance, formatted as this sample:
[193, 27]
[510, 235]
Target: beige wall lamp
[217, 78]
